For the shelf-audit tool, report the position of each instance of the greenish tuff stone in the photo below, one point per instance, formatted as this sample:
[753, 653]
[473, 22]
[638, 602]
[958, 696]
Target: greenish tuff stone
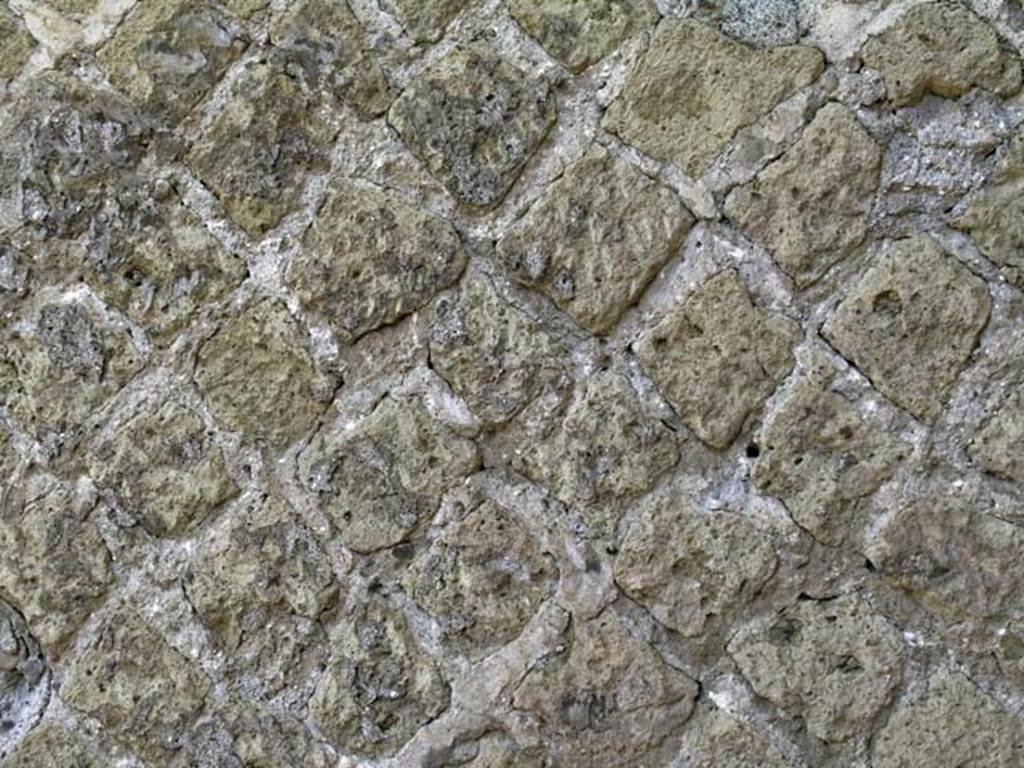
[582, 32]
[380, 479]
[482, 577]
[259, 377]
[953, 723]
[596, 238]
[605, 699]
[168, 54]
[716, 739]
[16, 44]
[74, 8]
[56, 566]
[682, 565]
[911, 323]
[811, 207]
[998, 447]
[694, 89]
[51, 744]
[941, 48]
[370, 258]
[380, 687]
[717, 357]
[425, 21]
[494, 750]
[474, 120]
[834, 663]
[143, 691]
[163, 468]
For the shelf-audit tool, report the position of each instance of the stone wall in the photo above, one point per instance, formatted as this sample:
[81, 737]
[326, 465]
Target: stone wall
[493, 383]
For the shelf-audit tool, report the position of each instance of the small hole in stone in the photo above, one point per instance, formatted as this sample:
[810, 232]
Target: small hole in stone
[753, 451]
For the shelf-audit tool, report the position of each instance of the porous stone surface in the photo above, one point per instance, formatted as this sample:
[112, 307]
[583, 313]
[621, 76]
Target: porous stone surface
[511, 384]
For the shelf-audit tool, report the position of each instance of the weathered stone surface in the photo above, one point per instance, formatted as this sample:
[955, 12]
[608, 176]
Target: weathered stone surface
[261, 586]
[995, 217]
[606, 699]
[717, 357]
[998, 447]
[695, 88]
[73, 8]
[24, 678]
[16, 44]
[834, 663]
[380, 687]
[55, 567]
[942, 48]
[596, 238]
[911, 324]
[474, 120]
[143, 691]
[581, 33]
[163, 468]
[370, 258]
[494, 750]
[494, 355]
[50, 744]
[16, 275]
[718, 740]
[684, 566]
[764, 23]
[822, 458]
[323, 43]
[167, 55]
[426, 20]
[810, 208]
[259, 377]
[954, 723]
[262, 145]
[482, 577]
[380, 479]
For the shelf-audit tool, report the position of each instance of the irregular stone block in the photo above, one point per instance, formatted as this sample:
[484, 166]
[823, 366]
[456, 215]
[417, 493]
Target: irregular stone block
[482, 577]
[425, 21]
[690, 568]
[765, 23]
[606, 699]
[168, 55]
[16, 43]
[259, 377]
[56, 566]
[811, 207]
[164, 469]
[474, 120]
[141, 690]
[580, 34]
[370, 258]
[942, 48]
[717, 357]
[719, 740]
[378, 480]
[834, 663]
[51, 744]
[911, 323]
[494, 750]
[695, 88]
[954, 723]
[997, 446]
[24, 681]
[596, 238]
[380, 687]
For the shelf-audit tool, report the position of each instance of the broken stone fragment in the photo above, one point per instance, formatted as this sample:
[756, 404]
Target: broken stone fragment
[168, 55]
[16, 43]
[953, 723]
[999, 445]
[765, 23]
[371, 257]
[716, 357]
[833, 663]
[380, 478]
[163, 468]
[582, 33]
[24, 676]
[605, 699]
[716, 739]
[695, 88]
[474, 120]
[259, 377]
[145, 693]
[380, 687]
[942, 48]
[911, 323]
[811, 207]
[56, 566]
[684, 566]
[596, 238]
[493, 750]
[482, 577]
[425, 21]
[50, 744]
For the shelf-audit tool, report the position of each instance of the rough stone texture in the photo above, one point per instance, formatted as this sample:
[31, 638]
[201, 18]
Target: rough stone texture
[473, 119]
[997, 447]
[596, 238]
[911, 323]
[810, 208]
[52, 745]
[425, 20]
[16, 44]
[24, 678]
[723, 85]
[717, 357]
[718, 740]
[941, 48]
